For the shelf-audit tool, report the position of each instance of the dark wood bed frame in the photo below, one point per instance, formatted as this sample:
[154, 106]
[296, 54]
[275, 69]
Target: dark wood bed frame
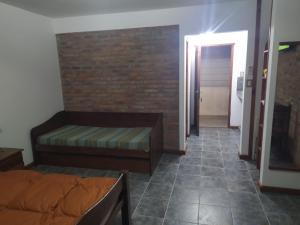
[100, 158]
[104, 211]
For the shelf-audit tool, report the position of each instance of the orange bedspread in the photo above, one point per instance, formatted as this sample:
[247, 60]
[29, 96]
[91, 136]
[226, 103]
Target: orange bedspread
[32, 198]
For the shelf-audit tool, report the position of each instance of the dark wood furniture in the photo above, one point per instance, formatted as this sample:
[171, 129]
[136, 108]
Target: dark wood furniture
[280, 156]
[262, 107]
[106, 210]
[100, 158]
[281, 126]
[11, 158]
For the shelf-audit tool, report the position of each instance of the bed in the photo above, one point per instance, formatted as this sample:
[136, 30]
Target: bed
[100, 140]
[130, 138]
[31, 198]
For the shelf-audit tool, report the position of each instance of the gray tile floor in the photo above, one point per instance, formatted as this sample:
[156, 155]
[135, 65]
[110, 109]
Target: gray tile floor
[207, 186]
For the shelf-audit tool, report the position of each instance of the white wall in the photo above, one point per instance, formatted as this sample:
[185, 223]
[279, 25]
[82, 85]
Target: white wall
[223, 17]
[285, 27]
[30, 90]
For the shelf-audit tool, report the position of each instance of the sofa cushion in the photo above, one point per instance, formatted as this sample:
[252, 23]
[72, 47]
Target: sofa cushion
[99, 137]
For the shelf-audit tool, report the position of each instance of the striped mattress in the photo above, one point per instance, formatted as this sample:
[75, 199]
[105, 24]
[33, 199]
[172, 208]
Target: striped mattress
[99, 137]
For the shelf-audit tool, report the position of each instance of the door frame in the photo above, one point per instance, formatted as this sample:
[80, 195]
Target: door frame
[187, 90]
[197, 89]
[230, 85]
[254, 78]
[197, 82]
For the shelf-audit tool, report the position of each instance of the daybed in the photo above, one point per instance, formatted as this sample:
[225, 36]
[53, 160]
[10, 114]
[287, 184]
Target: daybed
[103, 140]
[31, 198]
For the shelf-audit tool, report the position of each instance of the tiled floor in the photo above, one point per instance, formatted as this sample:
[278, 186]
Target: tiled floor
[207, 186]
[213, 121]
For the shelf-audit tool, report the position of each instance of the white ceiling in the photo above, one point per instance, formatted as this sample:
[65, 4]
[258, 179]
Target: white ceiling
[67, 8]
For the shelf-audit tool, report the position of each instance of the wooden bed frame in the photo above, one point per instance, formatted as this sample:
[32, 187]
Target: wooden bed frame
[104, 211]
[100, 158]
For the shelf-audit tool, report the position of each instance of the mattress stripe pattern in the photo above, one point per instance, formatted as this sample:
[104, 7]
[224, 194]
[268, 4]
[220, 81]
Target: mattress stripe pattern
[137, 138]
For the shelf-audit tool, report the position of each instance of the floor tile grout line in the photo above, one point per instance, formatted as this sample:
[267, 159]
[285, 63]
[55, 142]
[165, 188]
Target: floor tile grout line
[171, 195]
[226, 180]
[201, 140]
[257, 194]
[198, 213]
[147, 216]
[176, 177]
[134, 211]
[261, 204]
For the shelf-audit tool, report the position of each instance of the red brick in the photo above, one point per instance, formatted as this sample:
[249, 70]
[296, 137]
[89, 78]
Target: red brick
[130, 70]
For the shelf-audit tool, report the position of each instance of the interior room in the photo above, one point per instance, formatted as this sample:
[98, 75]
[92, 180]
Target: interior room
[216, 65]
[139, 112]
[214, 76]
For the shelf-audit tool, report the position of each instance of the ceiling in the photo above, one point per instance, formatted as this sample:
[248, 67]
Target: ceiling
[67, 8]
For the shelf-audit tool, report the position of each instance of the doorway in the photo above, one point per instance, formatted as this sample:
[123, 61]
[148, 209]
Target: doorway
[230, 49]
[214, 77]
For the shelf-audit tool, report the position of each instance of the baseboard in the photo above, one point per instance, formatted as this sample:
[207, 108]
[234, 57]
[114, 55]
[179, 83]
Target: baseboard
[174, 151]
[283, 168]
[278, 190]
[244, 157]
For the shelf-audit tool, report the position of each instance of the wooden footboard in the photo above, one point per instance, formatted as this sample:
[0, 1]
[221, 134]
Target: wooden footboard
[106, 210]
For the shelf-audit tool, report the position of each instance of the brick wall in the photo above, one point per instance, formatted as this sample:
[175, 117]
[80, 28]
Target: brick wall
[130, 70]
[288, 92]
